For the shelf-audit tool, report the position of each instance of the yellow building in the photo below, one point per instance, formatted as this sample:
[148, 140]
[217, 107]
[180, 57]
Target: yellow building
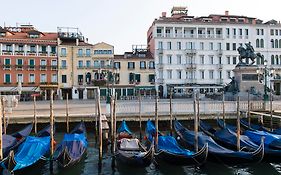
[135, 72]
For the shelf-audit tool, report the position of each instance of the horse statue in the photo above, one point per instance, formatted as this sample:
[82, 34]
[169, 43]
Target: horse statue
[249, 52]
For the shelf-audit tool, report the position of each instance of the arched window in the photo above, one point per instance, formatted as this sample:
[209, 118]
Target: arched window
[262, 43]
[272, 59]
[258, 60]
[276, 43]
[257, 43]
[262, 59]
[276, 60]
[280, 43]
[272, 43]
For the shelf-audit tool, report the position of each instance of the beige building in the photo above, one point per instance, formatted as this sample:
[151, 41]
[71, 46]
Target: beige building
[135, 72]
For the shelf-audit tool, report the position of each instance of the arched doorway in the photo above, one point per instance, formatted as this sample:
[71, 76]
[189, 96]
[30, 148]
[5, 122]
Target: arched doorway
[88, 78]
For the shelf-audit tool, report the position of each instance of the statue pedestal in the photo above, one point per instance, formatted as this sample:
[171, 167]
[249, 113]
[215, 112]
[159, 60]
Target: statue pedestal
[247, 79]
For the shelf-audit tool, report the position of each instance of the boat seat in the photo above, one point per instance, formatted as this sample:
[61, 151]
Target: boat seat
[129, 144]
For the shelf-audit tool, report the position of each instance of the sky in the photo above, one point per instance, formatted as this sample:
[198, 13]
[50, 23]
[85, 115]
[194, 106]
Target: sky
[121, 23]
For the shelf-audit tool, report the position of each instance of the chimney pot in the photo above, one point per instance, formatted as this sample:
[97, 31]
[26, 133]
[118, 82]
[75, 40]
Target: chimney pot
[226, 13]
[164, 14]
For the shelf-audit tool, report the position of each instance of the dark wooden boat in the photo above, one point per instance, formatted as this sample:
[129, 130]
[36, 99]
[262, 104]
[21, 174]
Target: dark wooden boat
[217, 152]
[73, 147]
[29, 153]
[169, 151]
[270, 155]
[254, 127]
[11, 142]
[130, 151]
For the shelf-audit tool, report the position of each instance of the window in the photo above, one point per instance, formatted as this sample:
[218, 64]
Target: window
[31, 78]
[31, 64]
[7, 78]
[202, 59]
[43, 78]
[271, 32]
[44, 49]
[7, 61]
[276, 43]
[262, 32]
[88, 52]
[80, 63]
[179, 74]
[220, 74]
[211, 46]
[211, 59]
[151, 78]
[178, 59]
[160, 59]
[211, 74]
[131, 65]
[103, 52]
[88, 63]
[80, 79]
[228, 60]
[201, 46]
[54, 49]
[227, 46]
[117, 65]
[234, 60]
[21, 48]
[258, 31]
[138, 78]
[19, 78]
[234, 32]
[96, 64]
[257, 43]
[272, 43]
[262, 43]
[219, 46]
[63, 64]
[43, 62]
[190, 45]
[202, 74]
[227, 32]
[272, 59]
[179, 45]
[277, 61]
[19, 62]
[169, 45]
[64, 78]
[228, 74]
[54, 78]
[276, 32]
[246, 32]
[233, 46]
[220, 61]
[54, 63]
[169, 59]
[80, 52]
[32, 49]
[160, 45]
[142, 65]
[240, 32]
[151, 65]
[169, 74]
[63, 52]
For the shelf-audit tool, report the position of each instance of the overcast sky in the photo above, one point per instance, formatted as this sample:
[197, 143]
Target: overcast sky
[121, 23]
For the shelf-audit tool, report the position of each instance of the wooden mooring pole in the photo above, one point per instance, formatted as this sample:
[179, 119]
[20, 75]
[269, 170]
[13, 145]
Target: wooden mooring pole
[67, 114]
[100, 128]
[4, 115]
[140, 120]
[96, 115]
[52, 130]
[223, 109]
[1, 139]
[111, 123]
[238, 123]
[195, 108]
[114, 131]
[271, 111]
[34, 114]
[249, 109]
[156, 120]
[171, 112]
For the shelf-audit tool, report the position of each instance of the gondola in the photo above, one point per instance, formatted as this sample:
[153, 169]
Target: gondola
[270, 155]
[169, 151]
[29, 152]
[251, 126]
[130, 151]
[11, 142]
[73, 147]
[217, 152]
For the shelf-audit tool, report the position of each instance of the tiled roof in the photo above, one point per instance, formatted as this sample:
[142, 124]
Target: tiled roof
[73, 43]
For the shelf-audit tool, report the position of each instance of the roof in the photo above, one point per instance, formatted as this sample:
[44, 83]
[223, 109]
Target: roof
[73, 43]
[130, 55]
[102, 43]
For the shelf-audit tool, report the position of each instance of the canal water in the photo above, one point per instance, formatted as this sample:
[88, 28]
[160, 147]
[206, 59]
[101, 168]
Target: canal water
[89, 165]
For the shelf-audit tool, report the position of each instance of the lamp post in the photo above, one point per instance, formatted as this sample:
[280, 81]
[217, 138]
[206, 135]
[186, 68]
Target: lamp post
[265, 73]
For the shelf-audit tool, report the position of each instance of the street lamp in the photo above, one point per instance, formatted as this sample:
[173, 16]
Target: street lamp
[264, 74]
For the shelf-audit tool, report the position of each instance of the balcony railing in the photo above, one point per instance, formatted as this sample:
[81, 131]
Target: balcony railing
[19, 67]
[43, 67]
[190, 66]
[190, 51]
[219, 52]
[189, 35]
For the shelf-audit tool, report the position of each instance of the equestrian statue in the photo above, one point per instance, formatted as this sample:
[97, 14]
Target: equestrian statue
[249, 52]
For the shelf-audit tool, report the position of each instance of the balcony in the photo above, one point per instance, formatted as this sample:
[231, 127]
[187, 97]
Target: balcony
[7, 67]
[191, 81]
[19, 52]
[168, 35]
[53, 54]
[160, 51]
[190, 51]
[31, 67]
[159, 35]
[43, 67]
[219, 52]
[178, 35]
[43, 53]
[190, 66]
[7, 52]
[160, 65]
[189, 36]
[210, 36]
[220, 66]
[19, 67]
[32, 53]
[219, 36]
[81, 67]
[54, 67]
[201, 36]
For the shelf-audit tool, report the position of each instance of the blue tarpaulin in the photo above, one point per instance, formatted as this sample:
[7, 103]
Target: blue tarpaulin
[124, 128]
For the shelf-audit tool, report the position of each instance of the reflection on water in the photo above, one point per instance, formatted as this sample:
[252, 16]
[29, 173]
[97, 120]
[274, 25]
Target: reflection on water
[89, 165]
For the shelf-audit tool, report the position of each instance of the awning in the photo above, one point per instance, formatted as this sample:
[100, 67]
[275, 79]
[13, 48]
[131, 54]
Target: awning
[145, 87]
[23, 89]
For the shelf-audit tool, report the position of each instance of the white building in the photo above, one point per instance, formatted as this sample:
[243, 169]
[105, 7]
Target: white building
[202, 51]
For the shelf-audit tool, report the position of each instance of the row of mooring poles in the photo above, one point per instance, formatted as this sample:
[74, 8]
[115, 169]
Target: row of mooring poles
[4, 116]
[1, 139]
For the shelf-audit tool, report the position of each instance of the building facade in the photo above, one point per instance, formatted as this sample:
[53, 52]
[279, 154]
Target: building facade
[28, 56]
[201, 52]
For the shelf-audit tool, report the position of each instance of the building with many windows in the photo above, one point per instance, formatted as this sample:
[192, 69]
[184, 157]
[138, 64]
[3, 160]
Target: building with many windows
[30, 57]
[201, 52]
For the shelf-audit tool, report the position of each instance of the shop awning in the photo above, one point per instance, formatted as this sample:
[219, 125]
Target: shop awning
[23, 89]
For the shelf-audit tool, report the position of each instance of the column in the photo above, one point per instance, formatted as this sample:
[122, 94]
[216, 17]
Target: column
[25, 49]
[37, 49]
[45, 96]
[85, 94]
[48, 50]
[13, 49]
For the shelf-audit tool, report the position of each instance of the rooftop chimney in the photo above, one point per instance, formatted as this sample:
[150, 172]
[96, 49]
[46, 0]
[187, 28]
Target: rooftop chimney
[164, 14]
[226, 13]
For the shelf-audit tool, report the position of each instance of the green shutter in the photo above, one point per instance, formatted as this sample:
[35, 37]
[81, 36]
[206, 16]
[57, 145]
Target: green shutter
[131, 77]
[130, 91]
[138, 77]
[7, 78]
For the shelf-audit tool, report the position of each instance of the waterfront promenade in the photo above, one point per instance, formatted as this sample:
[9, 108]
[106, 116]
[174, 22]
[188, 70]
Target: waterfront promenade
[129, 109]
